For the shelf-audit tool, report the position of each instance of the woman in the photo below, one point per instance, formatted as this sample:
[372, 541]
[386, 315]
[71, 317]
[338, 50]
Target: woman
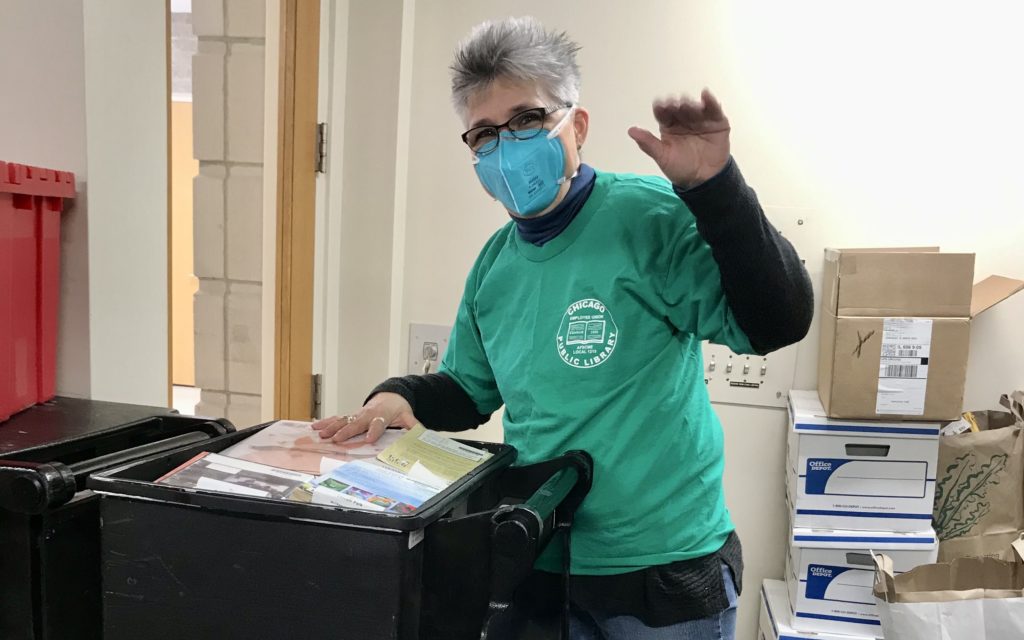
[584, 315]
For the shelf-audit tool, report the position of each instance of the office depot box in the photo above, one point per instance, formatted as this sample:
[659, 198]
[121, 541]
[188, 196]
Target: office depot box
[830, 574]
[776, 621]
[895, 331]
[861, 475]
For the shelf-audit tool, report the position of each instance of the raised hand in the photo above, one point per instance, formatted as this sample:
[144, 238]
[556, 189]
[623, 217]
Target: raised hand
[694, 142]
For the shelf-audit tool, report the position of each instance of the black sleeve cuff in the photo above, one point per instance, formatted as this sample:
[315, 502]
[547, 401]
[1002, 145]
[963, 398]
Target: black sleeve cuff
[726, 174]
[436, 400]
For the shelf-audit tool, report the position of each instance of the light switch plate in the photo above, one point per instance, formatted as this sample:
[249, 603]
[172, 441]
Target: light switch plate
[427, 344]
[750, 387]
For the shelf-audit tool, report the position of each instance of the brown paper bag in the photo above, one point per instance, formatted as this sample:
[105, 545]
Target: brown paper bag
[979, 492]
[966, 599]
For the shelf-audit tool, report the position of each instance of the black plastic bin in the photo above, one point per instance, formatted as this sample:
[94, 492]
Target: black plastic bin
[49, 521]
[185, 563]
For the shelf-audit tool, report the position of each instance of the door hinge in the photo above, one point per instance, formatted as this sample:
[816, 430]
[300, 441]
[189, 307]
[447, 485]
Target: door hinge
[321, 147]
[317, 389]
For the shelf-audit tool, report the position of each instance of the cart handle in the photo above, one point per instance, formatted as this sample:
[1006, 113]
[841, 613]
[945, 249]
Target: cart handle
[568, 480]
[34, 487]
[85, 468]
[553, 492]
[519, 532]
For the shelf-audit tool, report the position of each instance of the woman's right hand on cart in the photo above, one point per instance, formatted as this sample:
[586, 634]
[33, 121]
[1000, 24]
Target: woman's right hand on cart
[382, 411]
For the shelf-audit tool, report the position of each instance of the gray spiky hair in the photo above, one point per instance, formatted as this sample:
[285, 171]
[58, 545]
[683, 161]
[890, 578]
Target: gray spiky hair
[516, 48]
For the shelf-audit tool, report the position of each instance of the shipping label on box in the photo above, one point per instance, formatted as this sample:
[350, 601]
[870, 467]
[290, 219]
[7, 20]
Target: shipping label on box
[844, 474]
[903, 366]
[776, 620]
[830, 575]
[893, 368]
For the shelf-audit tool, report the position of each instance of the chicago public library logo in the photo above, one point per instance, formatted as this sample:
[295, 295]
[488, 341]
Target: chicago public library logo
[588, 334]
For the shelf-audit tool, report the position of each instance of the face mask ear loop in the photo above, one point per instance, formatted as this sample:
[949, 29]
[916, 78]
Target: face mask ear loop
[561, 123]
[555, 131]
[501, 170]
[572, 177]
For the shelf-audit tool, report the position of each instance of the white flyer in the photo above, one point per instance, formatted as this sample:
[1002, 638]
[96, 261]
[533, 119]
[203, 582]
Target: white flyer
[213, 484]
[903, 367]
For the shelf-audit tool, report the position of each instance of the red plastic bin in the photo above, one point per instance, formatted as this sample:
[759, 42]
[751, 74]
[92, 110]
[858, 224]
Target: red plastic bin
[31, 201]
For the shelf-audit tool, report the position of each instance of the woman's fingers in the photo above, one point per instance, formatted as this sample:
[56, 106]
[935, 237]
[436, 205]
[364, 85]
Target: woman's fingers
[683, 113]
[376, 428]
[383, 411]
[329, 426]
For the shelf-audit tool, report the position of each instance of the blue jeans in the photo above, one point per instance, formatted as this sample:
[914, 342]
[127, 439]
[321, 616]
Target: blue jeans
[594, 625]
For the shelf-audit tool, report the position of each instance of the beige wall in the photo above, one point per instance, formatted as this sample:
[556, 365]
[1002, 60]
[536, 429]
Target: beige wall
[126, 57]
[183, 282]
[870, 131]
[356, 235]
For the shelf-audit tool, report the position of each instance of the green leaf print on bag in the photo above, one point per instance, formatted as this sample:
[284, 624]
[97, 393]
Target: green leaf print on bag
[961, 495]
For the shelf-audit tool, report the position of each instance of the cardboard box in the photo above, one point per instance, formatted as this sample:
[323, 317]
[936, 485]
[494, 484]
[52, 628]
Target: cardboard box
[860, 475]
[776, 619]
[830, 574]
[895, 331]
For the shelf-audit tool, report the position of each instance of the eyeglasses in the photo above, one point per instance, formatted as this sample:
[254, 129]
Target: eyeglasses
[523, 126]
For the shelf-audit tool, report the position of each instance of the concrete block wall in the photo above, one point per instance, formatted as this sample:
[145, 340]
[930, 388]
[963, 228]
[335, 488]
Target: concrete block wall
[227, 94]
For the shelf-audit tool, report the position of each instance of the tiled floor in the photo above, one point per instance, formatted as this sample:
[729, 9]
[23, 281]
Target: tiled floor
[186, 399]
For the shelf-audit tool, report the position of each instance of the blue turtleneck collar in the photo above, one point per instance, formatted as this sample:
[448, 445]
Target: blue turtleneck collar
[542, 229]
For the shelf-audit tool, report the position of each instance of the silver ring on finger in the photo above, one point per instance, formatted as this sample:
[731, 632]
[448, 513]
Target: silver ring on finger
[379, 418]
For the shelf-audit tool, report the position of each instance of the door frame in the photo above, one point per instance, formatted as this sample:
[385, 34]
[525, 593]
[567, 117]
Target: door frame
[295, 201]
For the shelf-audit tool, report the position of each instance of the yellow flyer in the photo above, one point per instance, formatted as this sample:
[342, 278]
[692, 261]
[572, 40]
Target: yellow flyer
[421, 449]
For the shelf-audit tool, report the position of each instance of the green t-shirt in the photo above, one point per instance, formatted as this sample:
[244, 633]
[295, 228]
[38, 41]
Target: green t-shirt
[592, 341]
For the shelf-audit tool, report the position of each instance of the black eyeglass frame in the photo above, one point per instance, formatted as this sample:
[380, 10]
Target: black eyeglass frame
[544, 112]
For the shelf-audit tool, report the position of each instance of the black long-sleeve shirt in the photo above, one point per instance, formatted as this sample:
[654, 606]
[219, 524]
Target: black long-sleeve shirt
[769, 293]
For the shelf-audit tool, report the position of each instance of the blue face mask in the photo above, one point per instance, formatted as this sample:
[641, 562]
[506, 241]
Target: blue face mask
[524, 175]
